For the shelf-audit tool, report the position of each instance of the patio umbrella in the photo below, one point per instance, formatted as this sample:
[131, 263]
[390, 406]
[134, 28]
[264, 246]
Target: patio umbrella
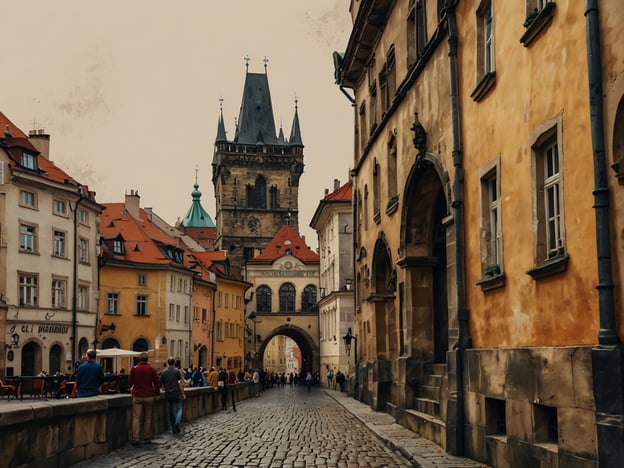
[116, 353]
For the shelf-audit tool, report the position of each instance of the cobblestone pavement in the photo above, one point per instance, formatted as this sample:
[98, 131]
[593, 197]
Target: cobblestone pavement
[284, 427]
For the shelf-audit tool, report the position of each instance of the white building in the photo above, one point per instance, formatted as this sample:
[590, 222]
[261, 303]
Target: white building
[333, 221]
[48, 258]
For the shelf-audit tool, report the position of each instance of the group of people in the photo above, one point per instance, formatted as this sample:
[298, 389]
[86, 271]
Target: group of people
[338, 379]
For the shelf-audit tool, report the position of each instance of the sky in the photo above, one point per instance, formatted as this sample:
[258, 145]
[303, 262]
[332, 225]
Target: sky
[130, 91]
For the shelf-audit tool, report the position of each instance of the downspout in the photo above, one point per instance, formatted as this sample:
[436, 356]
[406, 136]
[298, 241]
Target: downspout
[607, 335]
[75, 280]
[455, 413]
[607, 356]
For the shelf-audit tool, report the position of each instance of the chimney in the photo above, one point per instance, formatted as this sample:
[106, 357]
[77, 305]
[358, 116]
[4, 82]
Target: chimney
[133, 205]
[336, 184]
[41, 141]
[326, 191]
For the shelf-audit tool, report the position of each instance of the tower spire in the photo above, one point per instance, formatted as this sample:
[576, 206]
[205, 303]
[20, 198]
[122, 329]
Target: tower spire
[221, 133]
[295, 132]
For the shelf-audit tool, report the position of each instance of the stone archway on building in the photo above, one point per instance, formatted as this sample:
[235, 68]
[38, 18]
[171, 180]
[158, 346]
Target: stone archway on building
[55, 359]
[425, 234]
[310, 356]
[31, 358]
[383, 295]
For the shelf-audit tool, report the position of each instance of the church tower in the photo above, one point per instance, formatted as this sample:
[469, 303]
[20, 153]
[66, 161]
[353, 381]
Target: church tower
[255, 175]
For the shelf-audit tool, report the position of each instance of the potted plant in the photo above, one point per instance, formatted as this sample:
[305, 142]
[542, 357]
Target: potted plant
[493, 270]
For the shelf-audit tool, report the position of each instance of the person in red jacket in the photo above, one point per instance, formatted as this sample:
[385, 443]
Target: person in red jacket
[145, 388]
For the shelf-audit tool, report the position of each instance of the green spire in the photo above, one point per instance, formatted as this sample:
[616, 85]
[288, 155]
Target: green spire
[196, 215]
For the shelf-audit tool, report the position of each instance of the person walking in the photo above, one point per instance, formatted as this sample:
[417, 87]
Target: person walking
[309, 380]
[340, 379]
[145, 388]
[255, 383]
[173, 384]
[89, 376]
[222, 383]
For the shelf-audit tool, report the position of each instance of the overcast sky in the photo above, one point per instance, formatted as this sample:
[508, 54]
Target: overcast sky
[129, 90]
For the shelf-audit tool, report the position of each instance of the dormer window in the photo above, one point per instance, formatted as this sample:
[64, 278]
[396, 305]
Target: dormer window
[29, 161]
[118, 247]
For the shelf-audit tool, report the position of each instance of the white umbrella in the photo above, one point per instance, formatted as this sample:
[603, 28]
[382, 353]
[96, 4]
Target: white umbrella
[115, 352]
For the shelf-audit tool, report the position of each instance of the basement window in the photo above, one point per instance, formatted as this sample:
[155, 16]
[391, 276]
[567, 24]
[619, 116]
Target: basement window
[495, 417]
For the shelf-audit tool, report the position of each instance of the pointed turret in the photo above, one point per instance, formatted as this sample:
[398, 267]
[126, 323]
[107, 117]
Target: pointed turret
[197, 216]
[281, 137]
[256, 112]
[221, 134]
[295, 132]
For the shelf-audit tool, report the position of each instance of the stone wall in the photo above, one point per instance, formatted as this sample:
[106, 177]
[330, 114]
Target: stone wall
[40, 433]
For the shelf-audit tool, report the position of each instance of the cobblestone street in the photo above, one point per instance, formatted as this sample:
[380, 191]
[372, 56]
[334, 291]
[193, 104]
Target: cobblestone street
[284, 427]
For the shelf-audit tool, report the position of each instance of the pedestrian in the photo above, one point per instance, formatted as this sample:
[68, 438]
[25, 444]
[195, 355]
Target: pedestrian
[213, 377]
[173, 384]
[145, 389]
[255, 383]
[340, 379]
[222, 383]
[309, 380]
[330, 379]
[89, 376]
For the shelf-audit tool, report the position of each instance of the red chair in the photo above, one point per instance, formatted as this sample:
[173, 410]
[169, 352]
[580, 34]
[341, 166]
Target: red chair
[7, 389]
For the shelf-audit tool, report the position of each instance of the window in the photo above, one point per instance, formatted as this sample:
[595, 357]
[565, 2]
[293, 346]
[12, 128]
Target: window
[27, 199]
[29, 161]
[363, 127]
[118, 247]
[387, 81]
[491, 232]
[274, 194]
[308, 299]
[28, 289]
[112, 303]
[287, 298]
[141, 304]
[58, 248]
[186, 314]
[227, 300]
[539, 14]
[548, 199]
[83, 297]
[219, 330]
[27, 238]
[486, 76]
[177, 313]
[59, 207]
[392, 172]
[59, 293]
[375, 189]
[256, 194]
[172, 284]
[416, 31]
[83, 217]
[83, 250]
[171, 312]
[263, 299]
[373, 107]
[141, 279]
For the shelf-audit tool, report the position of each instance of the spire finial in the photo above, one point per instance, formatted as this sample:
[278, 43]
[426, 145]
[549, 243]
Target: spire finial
[266, 61]
[296, 102]
[196, 171]
[247, 59]
[221, 103]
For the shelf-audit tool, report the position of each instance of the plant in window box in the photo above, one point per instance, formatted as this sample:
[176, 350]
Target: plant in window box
[493, 270]
[393, 201]
[529, 21]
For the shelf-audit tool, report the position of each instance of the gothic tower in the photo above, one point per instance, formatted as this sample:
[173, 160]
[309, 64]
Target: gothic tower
[255, 175]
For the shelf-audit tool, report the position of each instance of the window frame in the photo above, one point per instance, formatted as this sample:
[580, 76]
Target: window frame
[287, 298]
[141, 305]
[59, 243]
[58, 298]
[28, 282]
[83, 250]
[546, 260]
[59, 207]
[32, 235]
[112, 303]
[264, 297]
[28, 203]
[83, 297]
[29, 161]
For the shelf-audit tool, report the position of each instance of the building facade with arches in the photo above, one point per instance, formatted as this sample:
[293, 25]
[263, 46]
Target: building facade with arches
[488, 227]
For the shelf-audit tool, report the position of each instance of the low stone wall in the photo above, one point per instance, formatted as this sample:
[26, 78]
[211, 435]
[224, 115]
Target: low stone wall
[58, 433]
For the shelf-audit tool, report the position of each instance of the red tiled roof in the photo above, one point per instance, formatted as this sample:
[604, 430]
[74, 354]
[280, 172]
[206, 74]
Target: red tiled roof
[343, 193]
[48, 170]
[142, 238]
[286, 238]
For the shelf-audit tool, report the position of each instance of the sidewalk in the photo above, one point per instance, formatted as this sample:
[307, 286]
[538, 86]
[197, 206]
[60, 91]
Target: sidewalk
[420, 451]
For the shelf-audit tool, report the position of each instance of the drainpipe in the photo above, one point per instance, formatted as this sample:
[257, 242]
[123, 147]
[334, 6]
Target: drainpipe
[75, 279]
[455, 409]
[607, 356]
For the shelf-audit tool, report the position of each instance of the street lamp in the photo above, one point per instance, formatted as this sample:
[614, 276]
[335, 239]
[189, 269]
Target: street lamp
[14, 342]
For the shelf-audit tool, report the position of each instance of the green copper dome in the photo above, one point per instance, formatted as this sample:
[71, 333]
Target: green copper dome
[196, 215]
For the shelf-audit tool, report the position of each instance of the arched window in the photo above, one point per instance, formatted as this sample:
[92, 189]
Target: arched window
[287, 297]
[308, 299]
[263, 299]
[55, 359]
[140, 345]
[256, 194]
[109, 343]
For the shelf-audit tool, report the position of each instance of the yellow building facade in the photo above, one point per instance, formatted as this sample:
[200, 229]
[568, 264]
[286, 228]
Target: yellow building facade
[487, 298]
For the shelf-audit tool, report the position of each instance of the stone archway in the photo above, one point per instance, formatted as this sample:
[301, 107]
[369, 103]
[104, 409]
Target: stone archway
[425, 235]
[31, 358]
[310, 357]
